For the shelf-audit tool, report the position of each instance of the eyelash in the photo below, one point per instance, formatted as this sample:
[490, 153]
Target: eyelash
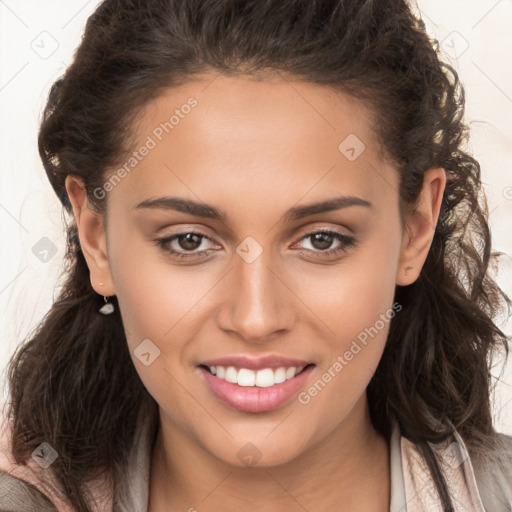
[346, 242]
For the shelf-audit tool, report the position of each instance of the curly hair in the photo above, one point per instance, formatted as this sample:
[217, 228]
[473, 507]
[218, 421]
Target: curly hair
[73, 383]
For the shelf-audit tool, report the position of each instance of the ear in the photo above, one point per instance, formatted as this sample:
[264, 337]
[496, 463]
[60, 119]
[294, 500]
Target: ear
[420, 225]
[92, 236]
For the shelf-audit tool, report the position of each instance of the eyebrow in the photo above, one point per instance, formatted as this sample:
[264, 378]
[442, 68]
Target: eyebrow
[211, 212]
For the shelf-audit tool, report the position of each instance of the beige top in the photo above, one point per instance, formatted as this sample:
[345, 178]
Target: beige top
[412, 488]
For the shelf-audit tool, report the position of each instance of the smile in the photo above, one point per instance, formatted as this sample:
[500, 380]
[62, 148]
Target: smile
[254, 390]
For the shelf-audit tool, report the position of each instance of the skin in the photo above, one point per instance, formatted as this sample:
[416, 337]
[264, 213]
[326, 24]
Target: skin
[256, 149]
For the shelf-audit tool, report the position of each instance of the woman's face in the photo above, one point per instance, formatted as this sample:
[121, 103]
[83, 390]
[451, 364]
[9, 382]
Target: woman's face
[254, 281]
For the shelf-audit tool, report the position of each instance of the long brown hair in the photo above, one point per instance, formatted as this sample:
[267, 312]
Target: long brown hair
[73, 383]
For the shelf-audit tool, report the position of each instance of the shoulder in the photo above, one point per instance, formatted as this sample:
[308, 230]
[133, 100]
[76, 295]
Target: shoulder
[476, 479]
[31, 487]
[19, 496]
[19, 489]
[494, 477]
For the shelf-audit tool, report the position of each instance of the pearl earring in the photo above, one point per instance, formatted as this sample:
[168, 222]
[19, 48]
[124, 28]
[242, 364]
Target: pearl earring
[108, 307]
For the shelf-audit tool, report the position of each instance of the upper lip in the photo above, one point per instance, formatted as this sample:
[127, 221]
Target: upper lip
[256, 363]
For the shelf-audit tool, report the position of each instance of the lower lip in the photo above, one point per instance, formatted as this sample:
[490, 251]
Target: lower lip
[253, 398]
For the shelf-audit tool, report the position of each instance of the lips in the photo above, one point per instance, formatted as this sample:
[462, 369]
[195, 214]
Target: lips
[244, 382]
[255, 399]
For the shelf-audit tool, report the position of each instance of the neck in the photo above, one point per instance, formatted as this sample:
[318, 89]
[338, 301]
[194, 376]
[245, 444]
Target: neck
[349, 466]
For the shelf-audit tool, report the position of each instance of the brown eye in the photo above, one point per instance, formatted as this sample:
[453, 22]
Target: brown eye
[189, 241]
[179, 244]
[321, 242]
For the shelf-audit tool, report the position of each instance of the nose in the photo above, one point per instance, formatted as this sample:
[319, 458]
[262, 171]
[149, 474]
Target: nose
[258, 303]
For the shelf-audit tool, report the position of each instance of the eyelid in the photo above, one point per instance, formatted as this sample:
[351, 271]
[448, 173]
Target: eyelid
[302, 233]
[323, 227]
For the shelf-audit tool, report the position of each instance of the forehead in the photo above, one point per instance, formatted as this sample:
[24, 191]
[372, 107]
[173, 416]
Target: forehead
[218, 135]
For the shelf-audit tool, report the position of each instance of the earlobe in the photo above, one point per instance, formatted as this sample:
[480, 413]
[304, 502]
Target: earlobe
[92, 236]
[420, 227]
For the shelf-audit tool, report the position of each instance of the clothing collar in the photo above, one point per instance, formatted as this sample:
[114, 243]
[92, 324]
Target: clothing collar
[412, 486]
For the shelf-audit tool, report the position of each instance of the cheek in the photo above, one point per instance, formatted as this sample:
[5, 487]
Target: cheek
[154, 307]
[355, 305]
[167, 305]
[351, 296]
[153, 294]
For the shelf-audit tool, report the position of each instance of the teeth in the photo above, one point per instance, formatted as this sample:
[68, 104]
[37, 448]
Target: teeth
[290, 372]
[261, 378]
[264, 378]
[246, 377]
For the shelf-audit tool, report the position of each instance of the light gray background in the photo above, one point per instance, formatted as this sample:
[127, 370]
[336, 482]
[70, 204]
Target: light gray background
[37, 39]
